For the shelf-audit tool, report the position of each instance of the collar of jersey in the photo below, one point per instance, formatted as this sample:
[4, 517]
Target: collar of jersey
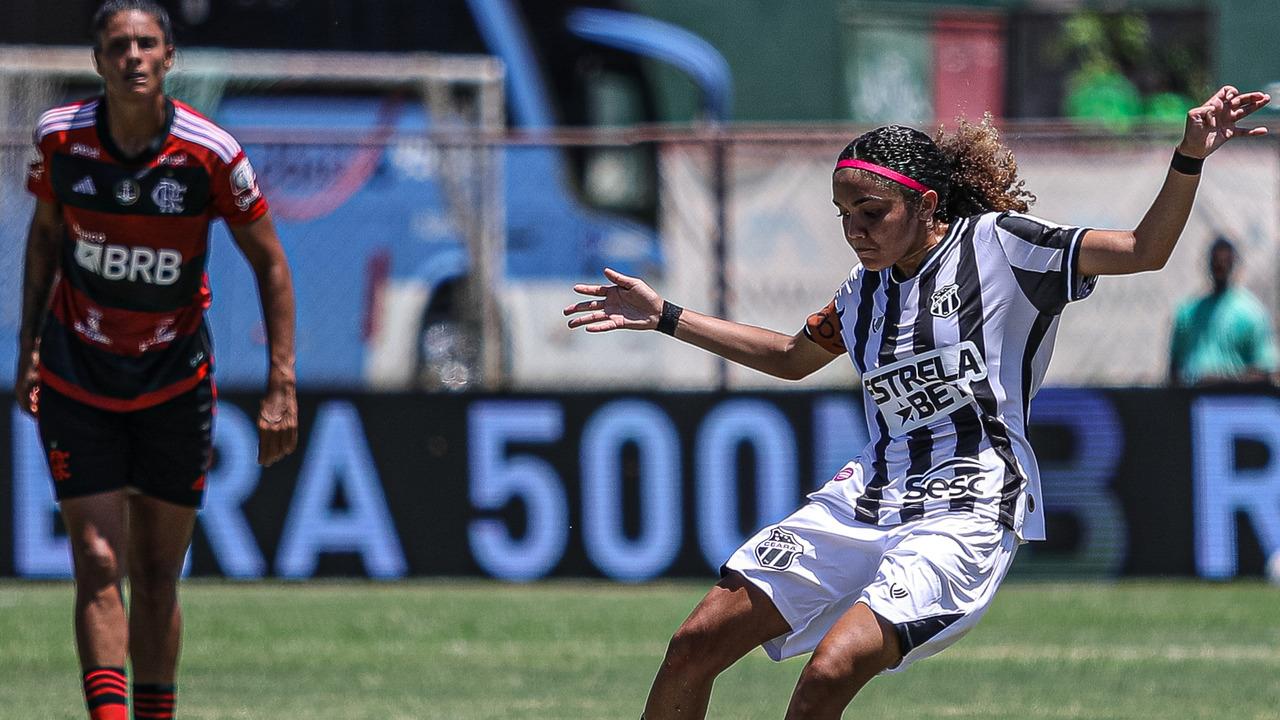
[152, 150]
[931, 259]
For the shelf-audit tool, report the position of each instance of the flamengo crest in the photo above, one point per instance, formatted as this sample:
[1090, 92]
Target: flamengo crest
[167, 196]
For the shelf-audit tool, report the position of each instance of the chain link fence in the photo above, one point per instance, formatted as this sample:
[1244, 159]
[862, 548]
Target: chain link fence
[784, 255]
[392, 258]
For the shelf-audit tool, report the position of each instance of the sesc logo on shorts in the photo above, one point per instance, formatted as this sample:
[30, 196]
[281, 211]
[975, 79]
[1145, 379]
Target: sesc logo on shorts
[914, 392]
[779, 550]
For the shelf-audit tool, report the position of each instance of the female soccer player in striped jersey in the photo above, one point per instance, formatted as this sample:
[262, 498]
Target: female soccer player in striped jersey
[949, 318]
[115, 359]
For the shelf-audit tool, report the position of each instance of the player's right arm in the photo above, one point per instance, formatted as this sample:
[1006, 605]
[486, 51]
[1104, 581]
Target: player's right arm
[41, 267]
[630, 304]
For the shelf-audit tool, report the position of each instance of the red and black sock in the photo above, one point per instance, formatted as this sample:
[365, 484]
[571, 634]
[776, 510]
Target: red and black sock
[106, 693]
[152, 701]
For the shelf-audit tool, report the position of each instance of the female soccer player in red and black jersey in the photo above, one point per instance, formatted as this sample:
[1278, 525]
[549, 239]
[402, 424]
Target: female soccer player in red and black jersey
[949, 317]
[115, 358]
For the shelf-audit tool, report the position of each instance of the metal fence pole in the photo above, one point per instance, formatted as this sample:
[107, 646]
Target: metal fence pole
[492, 250]
[720, 194]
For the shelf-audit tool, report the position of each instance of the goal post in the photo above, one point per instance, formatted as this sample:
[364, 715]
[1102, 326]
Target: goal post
[460, 97]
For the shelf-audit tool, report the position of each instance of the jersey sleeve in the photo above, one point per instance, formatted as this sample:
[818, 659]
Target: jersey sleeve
[1045, 259]
[236, 197]
[39, 182]
[824, 328]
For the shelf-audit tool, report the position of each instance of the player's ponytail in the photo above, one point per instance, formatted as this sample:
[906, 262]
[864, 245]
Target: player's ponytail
[969, 169]
[984, 173]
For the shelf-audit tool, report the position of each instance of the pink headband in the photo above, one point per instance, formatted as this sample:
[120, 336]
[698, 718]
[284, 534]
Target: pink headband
[882, 172]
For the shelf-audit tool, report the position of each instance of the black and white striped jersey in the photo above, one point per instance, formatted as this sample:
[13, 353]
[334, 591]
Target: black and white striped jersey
[949, 361]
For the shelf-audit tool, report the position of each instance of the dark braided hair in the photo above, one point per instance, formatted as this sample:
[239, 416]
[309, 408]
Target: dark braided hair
[969, 168]
[110, 8]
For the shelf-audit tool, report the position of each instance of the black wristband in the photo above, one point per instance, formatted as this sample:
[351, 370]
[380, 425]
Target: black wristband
[1186, 164]
[667, 321]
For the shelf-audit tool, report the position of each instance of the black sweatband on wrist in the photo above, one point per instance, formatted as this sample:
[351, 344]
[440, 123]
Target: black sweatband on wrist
[1186, 164]
[667, 321]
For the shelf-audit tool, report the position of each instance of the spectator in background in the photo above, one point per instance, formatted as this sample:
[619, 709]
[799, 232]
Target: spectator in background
[1224, 336]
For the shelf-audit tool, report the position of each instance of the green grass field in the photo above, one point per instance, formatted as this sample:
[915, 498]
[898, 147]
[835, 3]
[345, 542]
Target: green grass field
[473, 650]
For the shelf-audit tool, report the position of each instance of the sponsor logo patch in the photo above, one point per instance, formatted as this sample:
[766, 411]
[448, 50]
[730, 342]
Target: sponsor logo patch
[132, 263]
[164, 333]
[91, 327]
[127, 192]
[914, 392]
[35, 167]
[948, 480]
[844, 474]
[779, 550]
[244, 184]
[80, 233]
[83, 150]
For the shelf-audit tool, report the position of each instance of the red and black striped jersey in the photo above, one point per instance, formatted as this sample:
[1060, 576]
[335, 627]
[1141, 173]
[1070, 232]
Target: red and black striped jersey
[126, 327]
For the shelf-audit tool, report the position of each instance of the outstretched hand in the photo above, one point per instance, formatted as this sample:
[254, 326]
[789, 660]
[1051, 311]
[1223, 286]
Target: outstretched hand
[1214, 122]
[627, 304]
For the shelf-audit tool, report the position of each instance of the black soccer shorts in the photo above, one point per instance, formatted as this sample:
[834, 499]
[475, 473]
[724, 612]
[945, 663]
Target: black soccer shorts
[162, 451]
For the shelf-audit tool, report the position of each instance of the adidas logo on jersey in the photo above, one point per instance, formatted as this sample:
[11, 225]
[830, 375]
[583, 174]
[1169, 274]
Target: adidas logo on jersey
[85, 186]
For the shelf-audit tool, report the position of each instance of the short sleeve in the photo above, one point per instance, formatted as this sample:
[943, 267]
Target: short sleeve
[824, 328]
[236, 196]
[1045, 260]
[38, 174]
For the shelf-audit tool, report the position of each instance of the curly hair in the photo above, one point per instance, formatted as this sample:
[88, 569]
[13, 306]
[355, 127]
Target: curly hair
[970, 169]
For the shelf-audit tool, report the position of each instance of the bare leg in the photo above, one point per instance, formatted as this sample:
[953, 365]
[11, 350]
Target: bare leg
[160, 534]
[97, 527]
[854, 650]
[734, 617]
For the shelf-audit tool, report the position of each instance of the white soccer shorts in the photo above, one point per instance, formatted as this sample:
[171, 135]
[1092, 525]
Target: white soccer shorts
[932, 578]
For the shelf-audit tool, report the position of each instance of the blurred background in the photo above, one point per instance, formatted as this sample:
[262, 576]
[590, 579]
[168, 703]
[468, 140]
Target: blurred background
[443, 171]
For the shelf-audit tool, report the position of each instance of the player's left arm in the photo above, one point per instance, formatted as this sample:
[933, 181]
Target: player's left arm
[1149, 245]
[278, 414]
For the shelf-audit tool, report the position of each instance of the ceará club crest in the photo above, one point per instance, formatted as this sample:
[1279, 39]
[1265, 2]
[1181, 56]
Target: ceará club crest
[945, 301]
